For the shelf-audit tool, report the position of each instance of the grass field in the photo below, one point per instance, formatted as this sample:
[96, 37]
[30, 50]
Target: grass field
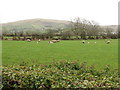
[99, 54]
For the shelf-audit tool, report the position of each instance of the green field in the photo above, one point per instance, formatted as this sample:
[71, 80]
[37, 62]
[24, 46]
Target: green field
[99, 54]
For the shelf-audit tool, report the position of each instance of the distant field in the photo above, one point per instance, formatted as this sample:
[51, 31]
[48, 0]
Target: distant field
[99, 54]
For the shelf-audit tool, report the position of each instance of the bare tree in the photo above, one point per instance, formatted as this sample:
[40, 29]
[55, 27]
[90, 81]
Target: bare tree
[82, 28]
[75, 27]
[93, 30]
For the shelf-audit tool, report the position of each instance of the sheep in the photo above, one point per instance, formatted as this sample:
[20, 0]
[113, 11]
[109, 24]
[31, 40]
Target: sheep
[28, 40]
[108, 42]
[95, 42]
[38, 40]
[50, 42]
[54, 41]
[83, 41]
[88, 42]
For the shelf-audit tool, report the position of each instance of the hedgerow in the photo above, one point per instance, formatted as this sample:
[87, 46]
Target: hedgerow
[58, 75]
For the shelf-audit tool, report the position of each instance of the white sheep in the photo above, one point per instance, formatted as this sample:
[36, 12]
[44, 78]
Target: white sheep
[83, 41]
[50, 42]
[28, 40]
[38, 40]
[108, 42]
[54, 41]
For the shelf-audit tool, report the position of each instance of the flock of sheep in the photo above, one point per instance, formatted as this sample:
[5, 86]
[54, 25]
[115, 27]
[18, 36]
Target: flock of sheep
[55, 41]
[107, 42]
[52, 41]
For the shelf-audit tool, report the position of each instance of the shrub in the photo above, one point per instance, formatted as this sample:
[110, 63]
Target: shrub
[58, 75]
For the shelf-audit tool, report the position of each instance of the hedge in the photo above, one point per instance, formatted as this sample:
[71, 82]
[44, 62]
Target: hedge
[58, 75]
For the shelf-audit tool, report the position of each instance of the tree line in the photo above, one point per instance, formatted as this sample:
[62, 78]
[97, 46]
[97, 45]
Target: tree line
[78, 29]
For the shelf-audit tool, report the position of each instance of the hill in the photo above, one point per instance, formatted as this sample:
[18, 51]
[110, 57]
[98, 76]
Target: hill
[35, 25]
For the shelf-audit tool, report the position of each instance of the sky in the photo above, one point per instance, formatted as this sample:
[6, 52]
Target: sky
[105, 12]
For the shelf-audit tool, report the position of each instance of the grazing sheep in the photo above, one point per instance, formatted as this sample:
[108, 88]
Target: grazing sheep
[38, 40]
[95, 42]
[108, 42]
[28, 40]
[50, 42]
[88, 42]
[54, 41]
[83, 41]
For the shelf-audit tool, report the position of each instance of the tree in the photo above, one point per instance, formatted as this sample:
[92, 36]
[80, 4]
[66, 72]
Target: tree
[66, 34]
[93, 30]
[82, 28]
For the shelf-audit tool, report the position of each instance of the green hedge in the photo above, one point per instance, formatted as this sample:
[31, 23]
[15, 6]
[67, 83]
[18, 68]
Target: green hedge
[58, 75]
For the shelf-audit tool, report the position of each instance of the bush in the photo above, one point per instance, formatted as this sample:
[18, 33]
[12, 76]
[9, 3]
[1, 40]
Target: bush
[58, 75]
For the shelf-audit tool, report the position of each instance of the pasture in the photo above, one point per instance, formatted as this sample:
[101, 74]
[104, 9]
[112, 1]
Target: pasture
[99, 54]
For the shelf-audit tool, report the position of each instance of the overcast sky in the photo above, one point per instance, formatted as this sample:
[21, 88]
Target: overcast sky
[105, 12]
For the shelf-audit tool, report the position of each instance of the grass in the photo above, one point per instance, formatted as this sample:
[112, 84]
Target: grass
[99, 54]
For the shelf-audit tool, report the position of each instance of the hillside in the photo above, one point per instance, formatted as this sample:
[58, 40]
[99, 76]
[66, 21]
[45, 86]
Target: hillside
[35, 25]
